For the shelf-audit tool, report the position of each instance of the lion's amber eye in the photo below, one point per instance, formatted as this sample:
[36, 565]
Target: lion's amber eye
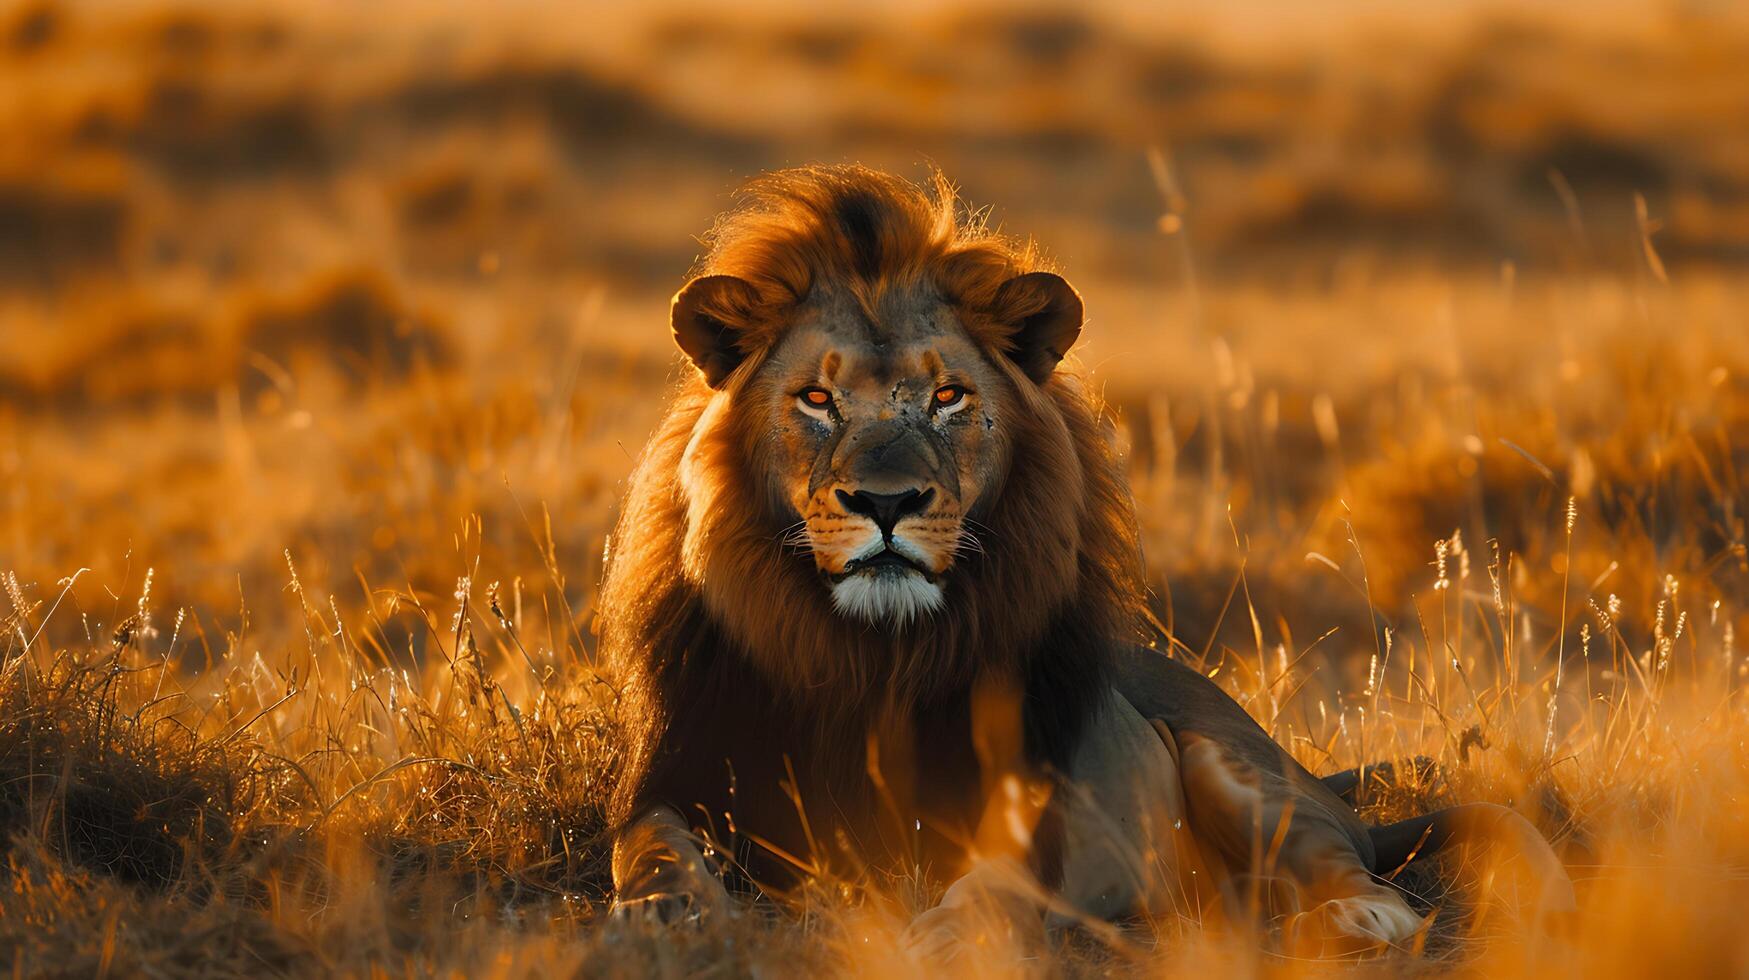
[816, 397]
[947, 396]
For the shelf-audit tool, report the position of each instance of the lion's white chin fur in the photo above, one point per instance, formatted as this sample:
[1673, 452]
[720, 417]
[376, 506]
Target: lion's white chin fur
[893, 597]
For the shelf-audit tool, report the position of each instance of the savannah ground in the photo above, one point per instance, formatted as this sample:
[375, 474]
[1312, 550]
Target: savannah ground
[327, 341]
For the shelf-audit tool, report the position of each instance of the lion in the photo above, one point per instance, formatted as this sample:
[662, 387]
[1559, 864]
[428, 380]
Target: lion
[876, 604]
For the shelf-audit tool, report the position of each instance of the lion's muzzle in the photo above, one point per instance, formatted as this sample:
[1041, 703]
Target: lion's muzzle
[883, 551]
[885, 509]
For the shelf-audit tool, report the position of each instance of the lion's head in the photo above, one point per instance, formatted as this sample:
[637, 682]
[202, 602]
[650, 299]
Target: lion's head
[877, 409]
[878, 472]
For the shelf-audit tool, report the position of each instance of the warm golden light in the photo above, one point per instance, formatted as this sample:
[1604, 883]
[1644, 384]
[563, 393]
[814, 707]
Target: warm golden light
[1421, 339]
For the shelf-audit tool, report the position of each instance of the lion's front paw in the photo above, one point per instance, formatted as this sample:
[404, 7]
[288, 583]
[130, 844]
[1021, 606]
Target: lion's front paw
[1354, 924]
[664, 909]
[935, 936]
[947, 932]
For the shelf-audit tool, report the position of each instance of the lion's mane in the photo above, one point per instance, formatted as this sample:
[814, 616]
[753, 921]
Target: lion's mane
[703, 607]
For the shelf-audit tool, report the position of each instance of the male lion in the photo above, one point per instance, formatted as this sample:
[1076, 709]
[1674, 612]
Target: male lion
[876, 598]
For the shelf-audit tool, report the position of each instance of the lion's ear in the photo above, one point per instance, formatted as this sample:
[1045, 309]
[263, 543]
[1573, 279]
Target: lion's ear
[1045, 314]
[708, 314]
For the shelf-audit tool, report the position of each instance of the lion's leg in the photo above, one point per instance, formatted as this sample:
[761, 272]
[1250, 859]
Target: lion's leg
[659, 870]
[1351, 909]
[1265, 831]
[997, 904]
[1125, 846]
[1517, 847]
[1109, 842]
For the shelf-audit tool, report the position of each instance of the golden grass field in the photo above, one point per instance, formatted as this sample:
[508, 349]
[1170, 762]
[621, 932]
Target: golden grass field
[326, 343]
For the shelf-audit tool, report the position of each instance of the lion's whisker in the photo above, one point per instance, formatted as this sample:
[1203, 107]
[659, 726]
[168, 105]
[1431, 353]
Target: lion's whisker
[977, 526]
[796, 537]
[968, 544]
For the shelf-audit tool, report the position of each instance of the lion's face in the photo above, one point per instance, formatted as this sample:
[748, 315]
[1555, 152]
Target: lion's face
[878, 427]
[875, 486]
[882, 439]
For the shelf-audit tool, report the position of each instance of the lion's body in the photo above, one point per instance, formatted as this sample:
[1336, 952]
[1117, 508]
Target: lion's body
[875, 597]
[709, 722]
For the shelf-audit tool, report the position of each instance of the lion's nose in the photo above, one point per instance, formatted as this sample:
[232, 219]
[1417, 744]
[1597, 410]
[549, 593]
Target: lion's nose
[886, 509]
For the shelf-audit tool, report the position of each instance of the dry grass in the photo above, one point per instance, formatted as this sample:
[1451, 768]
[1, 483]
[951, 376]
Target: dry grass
[324, 348]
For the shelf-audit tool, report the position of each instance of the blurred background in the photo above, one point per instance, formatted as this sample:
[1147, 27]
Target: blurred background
[330, 279]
